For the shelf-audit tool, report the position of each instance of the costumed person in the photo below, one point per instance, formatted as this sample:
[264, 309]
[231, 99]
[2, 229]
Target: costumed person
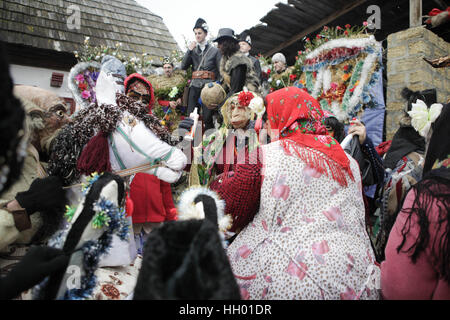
[226, 149]
[404, 164]
[88, 238]
[220, 153]
[118, 134]
[204, 59]
[417, 263]
[152, 198]
[35, 200]
[42, 261]
[245, 44]
[236, 68]
[308, 240]
[199, 267]
[169, 89]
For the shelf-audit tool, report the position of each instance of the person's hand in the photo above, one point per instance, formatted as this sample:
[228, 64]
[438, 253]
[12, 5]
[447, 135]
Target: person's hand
[173, 104]
[186, 124]
[356, 127]
[35, 266]
[43, 194]
[178, 102]
[192, 45]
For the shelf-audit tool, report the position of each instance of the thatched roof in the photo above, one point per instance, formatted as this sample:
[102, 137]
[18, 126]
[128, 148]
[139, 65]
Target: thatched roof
[43, 24]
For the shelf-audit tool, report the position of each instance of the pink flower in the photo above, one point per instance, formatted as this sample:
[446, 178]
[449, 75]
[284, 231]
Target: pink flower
[280, 189]
[365, 23]
[349, 294]
[293, 270]
[334, 214]
[334, 85]
[320, 247]
[244, 251]
[79, 78]
[245, 295]
[85, 94]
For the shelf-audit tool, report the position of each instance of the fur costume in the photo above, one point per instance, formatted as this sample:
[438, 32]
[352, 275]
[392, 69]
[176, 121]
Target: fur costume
[186, 259]
[226, 65]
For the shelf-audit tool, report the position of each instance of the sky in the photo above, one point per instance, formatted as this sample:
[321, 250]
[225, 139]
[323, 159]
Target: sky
[180, 15]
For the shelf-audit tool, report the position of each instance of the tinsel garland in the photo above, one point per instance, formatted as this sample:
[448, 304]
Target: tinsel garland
[115, 223]
[68, 145]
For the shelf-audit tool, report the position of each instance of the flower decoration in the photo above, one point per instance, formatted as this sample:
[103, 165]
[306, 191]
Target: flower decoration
[257, 106]
[422, 117]
[245, 97]
[173, 92]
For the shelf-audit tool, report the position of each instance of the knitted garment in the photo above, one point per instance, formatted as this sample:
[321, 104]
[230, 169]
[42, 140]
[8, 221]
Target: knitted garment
[239, 189]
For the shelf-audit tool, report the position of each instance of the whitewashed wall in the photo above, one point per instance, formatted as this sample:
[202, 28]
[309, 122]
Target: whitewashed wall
[39, 77]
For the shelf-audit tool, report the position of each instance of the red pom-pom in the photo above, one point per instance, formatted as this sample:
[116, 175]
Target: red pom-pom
[95, 156]
[129, 206]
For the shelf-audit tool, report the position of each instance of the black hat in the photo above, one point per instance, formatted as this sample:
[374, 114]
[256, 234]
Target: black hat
[245, 36]
[201, 24]
[225, 33]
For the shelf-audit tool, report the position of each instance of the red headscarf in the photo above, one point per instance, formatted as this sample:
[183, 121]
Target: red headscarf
[298, 119]
[136, 76]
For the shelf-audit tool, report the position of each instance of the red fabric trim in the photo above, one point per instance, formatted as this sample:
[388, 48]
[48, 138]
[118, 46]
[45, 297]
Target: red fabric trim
[253, 276]
[163, 103]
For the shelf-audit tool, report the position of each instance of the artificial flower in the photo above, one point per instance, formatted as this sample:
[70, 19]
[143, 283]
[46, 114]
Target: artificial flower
[82, 86]
[173, 92]
[292, 77]
[347, 26]
[257, 106]
[245, 97]
[85, 94]
[422, 117]
[79, 77]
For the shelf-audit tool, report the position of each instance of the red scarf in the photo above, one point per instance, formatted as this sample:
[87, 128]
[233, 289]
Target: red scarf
[298, 120]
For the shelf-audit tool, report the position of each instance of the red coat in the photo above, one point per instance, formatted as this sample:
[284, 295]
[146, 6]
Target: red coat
[152, 199]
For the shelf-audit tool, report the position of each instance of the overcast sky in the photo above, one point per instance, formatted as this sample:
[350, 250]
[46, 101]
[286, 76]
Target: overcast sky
[180, 15]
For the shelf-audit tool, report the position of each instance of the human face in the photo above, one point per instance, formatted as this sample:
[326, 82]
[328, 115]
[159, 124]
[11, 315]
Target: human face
[240, 115]
[200, 35]
[279, 66]
[245, 47]
[330, 131]
[139, 92]
[168, 69]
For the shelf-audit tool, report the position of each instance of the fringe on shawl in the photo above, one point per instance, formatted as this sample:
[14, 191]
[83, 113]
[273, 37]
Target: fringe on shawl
[319, 162]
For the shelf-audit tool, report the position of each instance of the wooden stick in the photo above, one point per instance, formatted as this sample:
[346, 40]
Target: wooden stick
[125, 172]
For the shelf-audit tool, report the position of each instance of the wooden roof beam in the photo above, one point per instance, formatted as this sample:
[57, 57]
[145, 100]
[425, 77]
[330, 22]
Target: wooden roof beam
[350, 6]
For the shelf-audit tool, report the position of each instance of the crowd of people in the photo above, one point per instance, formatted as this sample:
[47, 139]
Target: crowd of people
[272, 199]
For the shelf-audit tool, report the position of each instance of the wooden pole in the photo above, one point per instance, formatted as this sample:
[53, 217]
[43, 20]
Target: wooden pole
[415, 13]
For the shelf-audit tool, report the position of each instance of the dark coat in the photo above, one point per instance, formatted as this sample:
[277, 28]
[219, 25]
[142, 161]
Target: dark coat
[210, 63]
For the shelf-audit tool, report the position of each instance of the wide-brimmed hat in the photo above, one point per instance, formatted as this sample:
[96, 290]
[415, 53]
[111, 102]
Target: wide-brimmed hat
[225, 33]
